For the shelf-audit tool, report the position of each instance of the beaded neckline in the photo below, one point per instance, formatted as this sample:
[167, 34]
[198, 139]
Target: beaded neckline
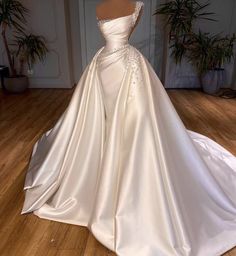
[126, 16]
[106, 20]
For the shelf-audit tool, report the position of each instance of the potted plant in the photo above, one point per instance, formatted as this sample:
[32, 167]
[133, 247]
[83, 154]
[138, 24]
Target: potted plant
[12, 15]
[29, 48]
[4, 71]
[208, 53]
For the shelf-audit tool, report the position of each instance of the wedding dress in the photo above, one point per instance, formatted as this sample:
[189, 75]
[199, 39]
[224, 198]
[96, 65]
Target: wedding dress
[120, 161]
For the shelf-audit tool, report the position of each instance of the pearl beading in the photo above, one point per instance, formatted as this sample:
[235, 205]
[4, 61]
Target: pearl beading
[107, 53]
[135, 15]
[103, 21]
[134, 64]
[114, 50]
[132, 67]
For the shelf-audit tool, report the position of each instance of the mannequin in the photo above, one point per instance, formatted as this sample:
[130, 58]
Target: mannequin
[112, 9]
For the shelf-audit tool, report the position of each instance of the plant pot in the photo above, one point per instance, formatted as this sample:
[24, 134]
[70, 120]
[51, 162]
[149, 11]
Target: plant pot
[213, 80]
[17, 84]
[4, 72]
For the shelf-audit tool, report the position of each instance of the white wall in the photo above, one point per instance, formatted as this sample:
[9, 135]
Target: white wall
[73, 38]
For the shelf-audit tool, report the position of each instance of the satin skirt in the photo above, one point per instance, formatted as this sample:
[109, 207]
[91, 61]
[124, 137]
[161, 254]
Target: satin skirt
[120, 162]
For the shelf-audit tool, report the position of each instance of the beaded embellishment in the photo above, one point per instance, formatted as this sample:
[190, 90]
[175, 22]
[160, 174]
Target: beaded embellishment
[103, 21]
[125, 47]
[135, 15]
[117, 49]
[133, 62]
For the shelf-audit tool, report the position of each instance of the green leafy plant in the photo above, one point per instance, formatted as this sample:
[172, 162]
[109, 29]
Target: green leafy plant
[204, 51]
[209, 52]
[181, 14]
[30, 49]
[12, 15]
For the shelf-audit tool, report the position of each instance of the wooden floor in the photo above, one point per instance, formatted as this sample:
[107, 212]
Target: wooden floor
[23, 118]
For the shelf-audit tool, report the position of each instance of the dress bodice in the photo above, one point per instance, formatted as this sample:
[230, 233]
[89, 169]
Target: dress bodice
[117, 31]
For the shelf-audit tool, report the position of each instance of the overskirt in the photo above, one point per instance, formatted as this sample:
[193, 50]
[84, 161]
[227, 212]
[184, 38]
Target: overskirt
[120, 161]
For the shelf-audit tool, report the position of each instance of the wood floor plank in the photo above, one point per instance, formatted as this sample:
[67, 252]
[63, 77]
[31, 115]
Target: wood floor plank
[24, 118]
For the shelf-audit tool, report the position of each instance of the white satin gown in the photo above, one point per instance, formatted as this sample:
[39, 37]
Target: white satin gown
[120, 161]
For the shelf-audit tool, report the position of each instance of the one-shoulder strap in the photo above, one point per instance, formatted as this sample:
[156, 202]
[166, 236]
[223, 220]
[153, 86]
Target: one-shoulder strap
[138, 6]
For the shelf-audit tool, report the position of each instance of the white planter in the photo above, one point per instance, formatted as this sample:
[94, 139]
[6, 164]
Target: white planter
[213, 80]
